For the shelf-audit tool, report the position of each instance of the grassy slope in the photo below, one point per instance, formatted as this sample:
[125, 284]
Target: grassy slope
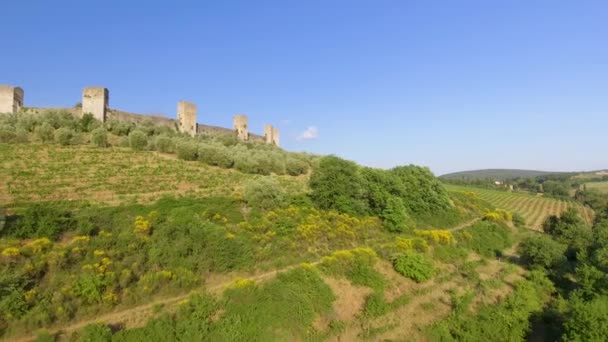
[118, 176]
[113, 176]
[535, 209]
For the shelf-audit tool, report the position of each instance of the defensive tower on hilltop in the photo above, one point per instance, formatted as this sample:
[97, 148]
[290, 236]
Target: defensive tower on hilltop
[186, 117]
[240, 126]
[271, 135]
[96, 101]
[11, 99]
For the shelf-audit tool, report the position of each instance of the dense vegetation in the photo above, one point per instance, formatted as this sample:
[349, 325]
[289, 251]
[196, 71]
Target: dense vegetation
[361, 253]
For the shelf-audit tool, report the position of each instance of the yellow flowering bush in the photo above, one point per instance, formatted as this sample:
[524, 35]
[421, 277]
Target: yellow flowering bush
[417, 244]
[141, 225]
[436, 236]
[38, 245]
[11, 252]
[80, 239]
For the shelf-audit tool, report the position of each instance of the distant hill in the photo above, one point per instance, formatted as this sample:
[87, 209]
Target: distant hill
[496, 174]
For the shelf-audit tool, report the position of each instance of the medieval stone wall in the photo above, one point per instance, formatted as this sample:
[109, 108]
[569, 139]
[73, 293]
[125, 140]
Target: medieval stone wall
[95, 100]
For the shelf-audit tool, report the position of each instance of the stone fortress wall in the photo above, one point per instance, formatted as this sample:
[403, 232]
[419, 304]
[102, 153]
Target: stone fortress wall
[96, 101]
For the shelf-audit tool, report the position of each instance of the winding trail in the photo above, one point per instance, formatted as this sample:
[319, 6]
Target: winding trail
[139, 315]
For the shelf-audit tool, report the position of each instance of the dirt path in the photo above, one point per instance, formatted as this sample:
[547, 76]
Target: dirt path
[466, 224]
[139, 315]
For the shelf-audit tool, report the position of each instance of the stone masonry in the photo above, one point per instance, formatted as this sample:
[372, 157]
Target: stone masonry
[240, 126]
[271, 135]
[186, 117]
[95, 100]
[11, 99]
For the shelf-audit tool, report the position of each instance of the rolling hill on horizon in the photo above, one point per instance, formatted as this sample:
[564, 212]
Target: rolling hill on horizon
[498, 174]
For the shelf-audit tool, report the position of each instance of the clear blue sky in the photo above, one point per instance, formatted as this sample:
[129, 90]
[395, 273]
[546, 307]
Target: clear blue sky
[451, 85]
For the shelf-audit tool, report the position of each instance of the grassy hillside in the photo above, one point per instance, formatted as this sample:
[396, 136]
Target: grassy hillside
[112, 176]
[495, 174]
[147, 235]
[534, 209]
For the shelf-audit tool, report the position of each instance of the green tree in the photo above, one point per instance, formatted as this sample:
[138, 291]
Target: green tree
[336, 184]
[395, 216]
[570, 229]
[138, 140]
[265, 192]
[99, 137]
[542, 251]
[587, 321]
[65, 136]
[45, 132]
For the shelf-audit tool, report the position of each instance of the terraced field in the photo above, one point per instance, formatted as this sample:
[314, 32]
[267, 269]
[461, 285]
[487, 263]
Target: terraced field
[535, 209]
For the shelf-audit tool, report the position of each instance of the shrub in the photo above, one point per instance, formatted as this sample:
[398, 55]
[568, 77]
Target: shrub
[164, 144]
[336, 184]
[119, 127]
[96, 333]
[414, 266]
[295, 166]
[215, 154]
[436, 236]
[486, 238]
[357, 265]
[542, 251]
[186, 150]
[88, 123]
[138, 140]
[264, 192]
[41, 220]
[45, 132]
[587, 321]
[99, 137]
[7, 134]
[21, 135]
[396, 218]
[518, 220]
[65, 136]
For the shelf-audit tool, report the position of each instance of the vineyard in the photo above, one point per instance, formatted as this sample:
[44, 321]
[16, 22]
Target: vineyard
[35, 172]
[534, 209]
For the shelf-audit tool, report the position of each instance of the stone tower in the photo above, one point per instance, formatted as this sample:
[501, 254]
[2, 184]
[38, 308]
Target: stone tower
[95, 100]
[268, 134]
[240, 126]
[271, 135]
[186, 117]
[275, 136]
[11, 99]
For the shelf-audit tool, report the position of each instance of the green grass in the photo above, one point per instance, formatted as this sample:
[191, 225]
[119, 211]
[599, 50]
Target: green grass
[281, 309]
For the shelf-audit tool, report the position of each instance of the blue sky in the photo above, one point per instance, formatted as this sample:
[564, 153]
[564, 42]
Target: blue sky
[452, 85]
